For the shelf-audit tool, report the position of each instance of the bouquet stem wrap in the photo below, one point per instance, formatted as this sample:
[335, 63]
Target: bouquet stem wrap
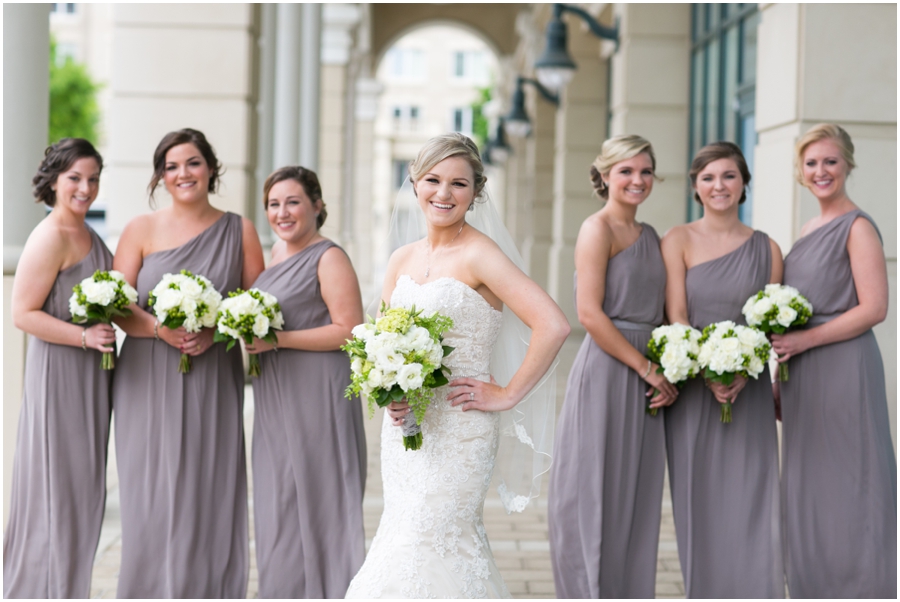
[412, 432]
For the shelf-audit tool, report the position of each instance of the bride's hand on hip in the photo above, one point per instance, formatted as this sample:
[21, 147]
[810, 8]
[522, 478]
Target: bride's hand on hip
[473, 394]
[397, 410]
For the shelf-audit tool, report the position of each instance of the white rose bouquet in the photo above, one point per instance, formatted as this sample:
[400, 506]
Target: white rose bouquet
[100, 298]
[188, 300]
[675, 348]
[727, 349]
[248, 314]
[776, 309]
[399, 356]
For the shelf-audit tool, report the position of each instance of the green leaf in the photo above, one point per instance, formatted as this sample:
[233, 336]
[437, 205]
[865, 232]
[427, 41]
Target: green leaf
[219, 337]
[231, 343]
[447, 349]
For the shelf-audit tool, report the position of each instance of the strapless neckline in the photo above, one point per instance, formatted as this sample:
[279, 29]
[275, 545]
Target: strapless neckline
[464, 286]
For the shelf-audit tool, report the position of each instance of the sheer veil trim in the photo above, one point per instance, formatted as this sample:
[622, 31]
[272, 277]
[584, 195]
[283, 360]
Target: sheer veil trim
[526, 431]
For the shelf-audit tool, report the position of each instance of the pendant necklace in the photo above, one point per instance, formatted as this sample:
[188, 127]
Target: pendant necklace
[428, 249]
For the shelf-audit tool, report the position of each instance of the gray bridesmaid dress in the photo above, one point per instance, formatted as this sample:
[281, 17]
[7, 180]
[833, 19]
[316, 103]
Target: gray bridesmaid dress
[309, 450]
[606, 483]
[839, 473]
[180, 445]
[59, 471]
[724, 477]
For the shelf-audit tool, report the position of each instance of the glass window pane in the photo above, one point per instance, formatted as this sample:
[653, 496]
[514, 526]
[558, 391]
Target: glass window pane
[697, 14]
[748, 143]
[697, 75]
[713, 110]
[730, 85]
[748, 52]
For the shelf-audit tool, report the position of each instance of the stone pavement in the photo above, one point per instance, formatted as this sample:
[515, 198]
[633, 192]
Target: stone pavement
[519, 542]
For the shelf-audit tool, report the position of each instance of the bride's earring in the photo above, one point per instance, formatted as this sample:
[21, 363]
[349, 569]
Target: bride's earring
[471, 206]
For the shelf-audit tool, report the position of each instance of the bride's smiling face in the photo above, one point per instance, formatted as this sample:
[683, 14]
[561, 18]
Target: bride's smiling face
[446, 190]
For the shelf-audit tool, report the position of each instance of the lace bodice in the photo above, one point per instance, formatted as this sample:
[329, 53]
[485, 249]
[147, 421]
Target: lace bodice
[475, 323]
[431, 541]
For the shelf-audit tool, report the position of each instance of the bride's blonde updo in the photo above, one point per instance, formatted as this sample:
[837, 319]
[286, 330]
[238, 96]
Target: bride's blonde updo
[443, 147]
[614, 150]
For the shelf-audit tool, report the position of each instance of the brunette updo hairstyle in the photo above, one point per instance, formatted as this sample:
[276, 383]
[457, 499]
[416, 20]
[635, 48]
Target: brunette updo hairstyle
[823, 131]
[307, 179]
[443, 147]
[614, 150]
[173, 139]
[713, 152]
[58, 158]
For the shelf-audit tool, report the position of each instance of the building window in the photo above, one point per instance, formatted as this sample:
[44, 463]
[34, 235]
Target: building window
[461, 120]
[469, 66]
[400, 172]
[723, 84]
[63, 8]
[406, 64]
[406, 117]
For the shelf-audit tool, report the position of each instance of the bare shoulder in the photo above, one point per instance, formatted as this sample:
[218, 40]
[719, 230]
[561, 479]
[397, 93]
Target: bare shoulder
[776, 250]
[139, 230]
[335, 257]
[596, 226]
[864, 228]
[678, 236]
[47, 245]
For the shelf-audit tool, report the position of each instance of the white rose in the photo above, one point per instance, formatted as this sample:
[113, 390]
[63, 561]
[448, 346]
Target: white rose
[756, 366]
[167, 300]
[76, 309]
[363, 332]
[375, 378]
[410, 376]
[786, 316]
[748, 337]
[191, 323]
[435, 354]
[782, 297]
[421, 338]
[261, 326]
[278, 321]
[129, 293]
[389, 360]
[208, 320]
[356, 365]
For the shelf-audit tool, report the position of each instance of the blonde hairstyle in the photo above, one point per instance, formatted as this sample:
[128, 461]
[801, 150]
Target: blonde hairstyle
[443, 147]
[615, 150]
[818, 132]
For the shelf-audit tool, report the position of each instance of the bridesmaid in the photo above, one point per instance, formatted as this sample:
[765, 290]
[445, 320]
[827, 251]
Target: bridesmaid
[839, 474]
[59, 471]
[309, 448]
[180, 437]
[724, 477]
[606, 489]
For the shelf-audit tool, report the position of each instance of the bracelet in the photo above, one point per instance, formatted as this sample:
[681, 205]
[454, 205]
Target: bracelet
[84, 339]
[647, 373]
[156, 330]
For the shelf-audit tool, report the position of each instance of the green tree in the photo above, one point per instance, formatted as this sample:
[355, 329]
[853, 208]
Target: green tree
[73, 100]
[479, 121]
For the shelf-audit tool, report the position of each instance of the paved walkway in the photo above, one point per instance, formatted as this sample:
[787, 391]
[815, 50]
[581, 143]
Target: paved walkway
[519, 541]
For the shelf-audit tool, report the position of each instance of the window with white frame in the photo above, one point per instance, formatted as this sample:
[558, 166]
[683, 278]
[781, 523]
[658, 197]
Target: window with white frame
[405, 117]
[461, 120]
[469, 66]
[406, 64]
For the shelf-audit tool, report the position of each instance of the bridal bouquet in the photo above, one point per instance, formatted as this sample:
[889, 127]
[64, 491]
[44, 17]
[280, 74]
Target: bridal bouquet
[188, 300]
[248, 314]
[399, 356]
[775, 309]
[727, 349]
[675, 348]
[99, 298]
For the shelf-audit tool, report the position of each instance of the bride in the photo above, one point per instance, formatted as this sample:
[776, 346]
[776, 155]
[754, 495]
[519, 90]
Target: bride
[431, 540]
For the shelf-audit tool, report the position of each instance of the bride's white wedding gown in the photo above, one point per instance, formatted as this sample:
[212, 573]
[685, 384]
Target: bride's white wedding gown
[431, 541]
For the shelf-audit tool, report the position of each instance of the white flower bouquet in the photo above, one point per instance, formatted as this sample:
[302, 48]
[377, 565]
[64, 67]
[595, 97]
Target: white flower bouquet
[399, 356]
[188, 300]
[98, 299]
[777, 308]
[248, 314]
[675, 348]
[727, 349]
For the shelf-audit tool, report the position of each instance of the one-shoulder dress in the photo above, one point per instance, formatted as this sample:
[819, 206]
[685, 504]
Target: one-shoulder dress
[59, 471]
[724, 477]
[839, 473]
[431, 541]
[180, 445]
[609, 456]
[309, 450]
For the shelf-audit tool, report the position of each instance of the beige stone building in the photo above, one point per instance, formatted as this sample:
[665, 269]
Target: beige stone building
[277, 84]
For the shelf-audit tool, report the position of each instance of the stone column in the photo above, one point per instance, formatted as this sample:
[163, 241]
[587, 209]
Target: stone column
[26, 109]
[651, 77]
[580, 130]
[337, 119]
[287, 85]
[369, 218]
[539, 179]
[830, 63]
[310, 69]
[265, 115]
